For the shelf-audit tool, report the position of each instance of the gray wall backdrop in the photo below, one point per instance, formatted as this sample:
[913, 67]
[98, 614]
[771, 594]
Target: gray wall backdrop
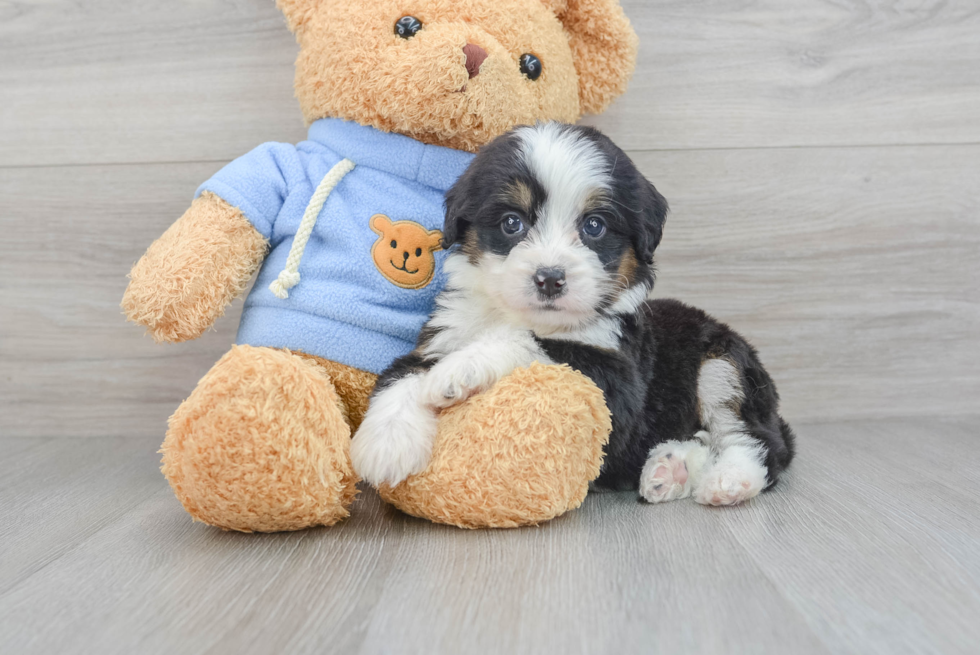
[822, 160]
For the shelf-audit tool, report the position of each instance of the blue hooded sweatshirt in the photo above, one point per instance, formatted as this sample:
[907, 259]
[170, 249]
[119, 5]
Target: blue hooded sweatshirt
[344, 308]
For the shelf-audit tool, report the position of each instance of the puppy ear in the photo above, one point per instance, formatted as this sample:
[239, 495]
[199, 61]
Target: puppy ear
[604, 48]
[650, 226]
[297, 12]
[457, 207]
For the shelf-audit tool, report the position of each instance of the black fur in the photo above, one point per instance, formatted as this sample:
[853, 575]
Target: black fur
[640, 210]
[478, 196]
[406, 365]
[651, 381]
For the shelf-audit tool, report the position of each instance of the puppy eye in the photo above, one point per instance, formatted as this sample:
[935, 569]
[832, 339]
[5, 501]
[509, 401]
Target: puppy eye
[531, 66]
[408, 26]
[394, 244]
[512, 225]
[594, 227]
[418, 252]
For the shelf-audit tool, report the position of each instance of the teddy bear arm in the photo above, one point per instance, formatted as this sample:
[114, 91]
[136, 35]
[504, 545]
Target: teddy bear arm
[188, 276]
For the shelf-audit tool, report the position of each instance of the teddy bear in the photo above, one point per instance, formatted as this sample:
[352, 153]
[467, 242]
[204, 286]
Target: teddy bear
[343, 231]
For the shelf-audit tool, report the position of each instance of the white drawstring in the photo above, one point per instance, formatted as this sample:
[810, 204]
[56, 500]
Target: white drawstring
[289, 277]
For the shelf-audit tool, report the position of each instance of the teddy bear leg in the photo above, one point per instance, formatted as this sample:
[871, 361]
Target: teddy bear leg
[352, 385]
[262, 445]
[519, 454]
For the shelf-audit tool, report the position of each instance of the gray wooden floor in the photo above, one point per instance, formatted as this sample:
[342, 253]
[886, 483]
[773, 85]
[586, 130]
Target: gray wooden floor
[822, 159]
[872, 545]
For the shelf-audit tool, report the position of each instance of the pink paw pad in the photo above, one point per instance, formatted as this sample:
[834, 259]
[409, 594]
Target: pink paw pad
[664, 478]
[728, 488]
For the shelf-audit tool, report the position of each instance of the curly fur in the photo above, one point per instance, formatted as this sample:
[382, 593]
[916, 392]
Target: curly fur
[352, 65]
[178, 291]
[520, 454]
[353, 386]
[286, 467]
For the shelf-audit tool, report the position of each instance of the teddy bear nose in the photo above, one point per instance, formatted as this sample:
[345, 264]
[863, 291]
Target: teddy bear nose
[475, 56]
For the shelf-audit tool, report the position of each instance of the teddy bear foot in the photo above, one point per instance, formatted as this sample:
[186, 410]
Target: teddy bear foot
[262, 445]
[519, 454]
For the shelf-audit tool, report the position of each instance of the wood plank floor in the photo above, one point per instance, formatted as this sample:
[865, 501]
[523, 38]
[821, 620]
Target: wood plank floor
[869, 546]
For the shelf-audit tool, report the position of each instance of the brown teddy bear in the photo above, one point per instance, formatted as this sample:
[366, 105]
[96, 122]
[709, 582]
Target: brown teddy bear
[344, 228]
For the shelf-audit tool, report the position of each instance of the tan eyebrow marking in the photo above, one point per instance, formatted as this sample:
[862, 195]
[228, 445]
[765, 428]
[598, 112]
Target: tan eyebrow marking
[521, 195]
[595, 200]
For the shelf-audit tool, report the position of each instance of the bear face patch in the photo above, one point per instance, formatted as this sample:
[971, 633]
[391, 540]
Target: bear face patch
[404, 251]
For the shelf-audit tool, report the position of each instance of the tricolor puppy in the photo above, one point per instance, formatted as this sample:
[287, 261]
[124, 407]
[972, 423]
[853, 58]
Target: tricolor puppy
[553, 231]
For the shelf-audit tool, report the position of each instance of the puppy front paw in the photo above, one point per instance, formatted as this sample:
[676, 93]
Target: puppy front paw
[453, 380]
[393, 442]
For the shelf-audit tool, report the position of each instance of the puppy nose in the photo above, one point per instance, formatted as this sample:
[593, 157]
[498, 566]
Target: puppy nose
[550, 281]
[475, 56]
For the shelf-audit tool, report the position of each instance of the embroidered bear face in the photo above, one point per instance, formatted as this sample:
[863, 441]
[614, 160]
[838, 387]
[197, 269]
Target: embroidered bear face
[404, 251]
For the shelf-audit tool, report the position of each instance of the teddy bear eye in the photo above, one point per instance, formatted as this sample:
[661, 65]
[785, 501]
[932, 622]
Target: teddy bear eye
[408, 26]
[418, 252]
[394, 244]
[531, 66]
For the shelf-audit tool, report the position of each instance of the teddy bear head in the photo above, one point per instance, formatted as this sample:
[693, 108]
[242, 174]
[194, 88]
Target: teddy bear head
[458, 73]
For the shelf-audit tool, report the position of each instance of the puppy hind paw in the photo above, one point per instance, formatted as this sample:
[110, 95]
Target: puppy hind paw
[667, 474]
[730, 484]
[664, 480]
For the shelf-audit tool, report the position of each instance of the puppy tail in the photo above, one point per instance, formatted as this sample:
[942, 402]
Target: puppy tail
[790, 440]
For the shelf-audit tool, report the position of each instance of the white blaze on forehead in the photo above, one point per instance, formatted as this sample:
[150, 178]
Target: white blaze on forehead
[570, 167]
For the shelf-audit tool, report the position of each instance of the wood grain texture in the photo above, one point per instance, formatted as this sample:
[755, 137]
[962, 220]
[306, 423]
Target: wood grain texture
[107, 82]
[57, 492]
[867, 546]
[110, 82]
[783, 73]
[69, 362]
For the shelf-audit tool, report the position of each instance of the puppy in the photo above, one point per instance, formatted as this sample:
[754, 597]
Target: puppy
[553, 230]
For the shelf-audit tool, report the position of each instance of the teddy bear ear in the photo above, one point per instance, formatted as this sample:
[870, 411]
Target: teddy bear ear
[603, 45]
[380, 224]
[435, 240]
[297, 12]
